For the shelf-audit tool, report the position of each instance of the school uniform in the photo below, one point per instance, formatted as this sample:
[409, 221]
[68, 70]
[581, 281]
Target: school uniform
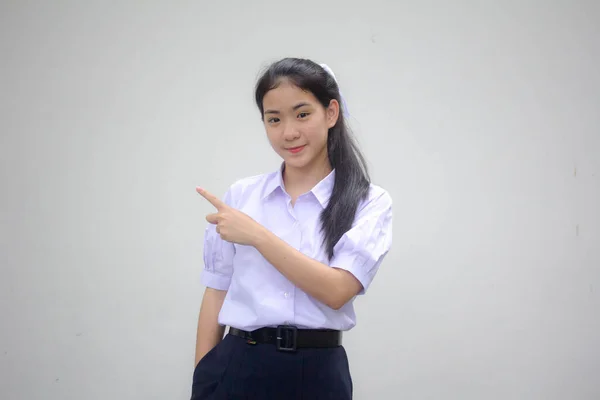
[282, 343]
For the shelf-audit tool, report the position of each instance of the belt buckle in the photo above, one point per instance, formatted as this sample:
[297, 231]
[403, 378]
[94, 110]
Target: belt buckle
[287, 338]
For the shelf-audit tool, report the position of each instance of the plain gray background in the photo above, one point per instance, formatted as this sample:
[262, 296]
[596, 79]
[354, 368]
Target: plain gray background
[481, 118]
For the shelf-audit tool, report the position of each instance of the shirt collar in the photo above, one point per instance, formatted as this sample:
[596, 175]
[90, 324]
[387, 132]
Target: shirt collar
[275, 182]
[321, 191]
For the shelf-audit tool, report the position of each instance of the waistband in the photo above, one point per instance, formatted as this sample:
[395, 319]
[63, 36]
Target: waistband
[290, 338]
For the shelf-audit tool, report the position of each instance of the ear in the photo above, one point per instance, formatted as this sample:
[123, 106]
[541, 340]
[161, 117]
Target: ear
[333, 113]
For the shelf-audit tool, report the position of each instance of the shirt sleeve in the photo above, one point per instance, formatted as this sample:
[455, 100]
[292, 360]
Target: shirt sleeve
[362, 249]
[218, 256]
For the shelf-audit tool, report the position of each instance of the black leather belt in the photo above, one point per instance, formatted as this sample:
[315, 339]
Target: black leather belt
[290, 338]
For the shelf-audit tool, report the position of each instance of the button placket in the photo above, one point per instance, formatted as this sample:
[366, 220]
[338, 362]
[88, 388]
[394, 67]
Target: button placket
[291, 306]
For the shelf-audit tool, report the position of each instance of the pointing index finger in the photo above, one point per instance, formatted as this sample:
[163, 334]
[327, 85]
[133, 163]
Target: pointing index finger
[212, 199]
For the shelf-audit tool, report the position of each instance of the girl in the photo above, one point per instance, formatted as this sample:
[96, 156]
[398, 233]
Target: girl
[286, 253]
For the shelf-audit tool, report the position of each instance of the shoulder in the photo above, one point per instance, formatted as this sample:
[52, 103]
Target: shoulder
[377, 199]
[244, 187]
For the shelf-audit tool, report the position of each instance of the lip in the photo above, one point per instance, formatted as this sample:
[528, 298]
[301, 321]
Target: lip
[295, 150]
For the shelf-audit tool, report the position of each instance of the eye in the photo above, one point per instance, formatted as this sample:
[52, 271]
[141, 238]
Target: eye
[273, 120]
[303, 115]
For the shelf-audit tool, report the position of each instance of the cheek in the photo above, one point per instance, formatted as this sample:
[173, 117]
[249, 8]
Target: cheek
[317, 132]
[274, 139]
[271, 134]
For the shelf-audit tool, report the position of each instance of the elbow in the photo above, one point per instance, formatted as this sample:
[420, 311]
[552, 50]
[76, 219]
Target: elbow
[343, 291]
[336, 306]
[338, 301]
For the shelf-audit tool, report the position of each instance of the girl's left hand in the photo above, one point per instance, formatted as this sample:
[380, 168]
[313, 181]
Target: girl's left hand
[233, 225]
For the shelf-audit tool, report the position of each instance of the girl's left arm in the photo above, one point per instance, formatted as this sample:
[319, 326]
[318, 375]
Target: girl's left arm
[331, 286]
[357, 256]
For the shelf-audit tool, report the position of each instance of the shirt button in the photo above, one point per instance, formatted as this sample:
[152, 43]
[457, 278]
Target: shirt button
[286, 295]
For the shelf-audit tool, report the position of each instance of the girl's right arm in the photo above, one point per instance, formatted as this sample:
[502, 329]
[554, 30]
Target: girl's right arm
[216, 277]
[210, 333]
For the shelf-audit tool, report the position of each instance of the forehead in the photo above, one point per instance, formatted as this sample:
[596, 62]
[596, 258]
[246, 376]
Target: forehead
[287, 95]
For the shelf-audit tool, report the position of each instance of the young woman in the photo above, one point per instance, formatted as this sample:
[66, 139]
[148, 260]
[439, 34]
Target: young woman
[286, 253]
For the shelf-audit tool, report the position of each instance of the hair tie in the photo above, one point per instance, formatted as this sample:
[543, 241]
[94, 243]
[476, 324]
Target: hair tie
[343, 105]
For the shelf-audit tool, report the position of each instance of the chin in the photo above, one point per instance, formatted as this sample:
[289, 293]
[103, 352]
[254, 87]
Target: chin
[296, 162]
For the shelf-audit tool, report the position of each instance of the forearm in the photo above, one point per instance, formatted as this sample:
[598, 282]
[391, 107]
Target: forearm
[331, 286]
[209, 332]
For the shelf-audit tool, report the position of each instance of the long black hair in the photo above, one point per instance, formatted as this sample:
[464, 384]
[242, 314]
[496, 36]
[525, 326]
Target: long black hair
[351, 175]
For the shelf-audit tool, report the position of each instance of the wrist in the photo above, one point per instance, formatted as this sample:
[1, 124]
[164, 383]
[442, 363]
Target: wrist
[260, 237]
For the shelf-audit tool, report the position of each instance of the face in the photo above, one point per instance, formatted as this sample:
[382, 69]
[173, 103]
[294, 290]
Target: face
[297, 125]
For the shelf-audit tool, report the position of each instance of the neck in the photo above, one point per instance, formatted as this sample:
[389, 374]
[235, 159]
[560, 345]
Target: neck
[301, 180]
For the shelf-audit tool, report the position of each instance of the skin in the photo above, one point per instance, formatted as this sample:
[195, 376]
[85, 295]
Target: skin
[209, 332]
[293, 118]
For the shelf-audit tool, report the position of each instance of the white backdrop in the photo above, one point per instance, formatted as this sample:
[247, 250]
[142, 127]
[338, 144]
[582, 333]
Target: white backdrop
[481, 119]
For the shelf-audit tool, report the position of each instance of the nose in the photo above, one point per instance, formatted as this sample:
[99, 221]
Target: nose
[290, 132]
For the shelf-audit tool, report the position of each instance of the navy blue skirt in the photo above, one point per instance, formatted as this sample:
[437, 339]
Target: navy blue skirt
[235, 370]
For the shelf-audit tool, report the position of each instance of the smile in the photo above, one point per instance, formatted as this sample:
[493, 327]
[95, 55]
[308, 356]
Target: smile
[295, 150]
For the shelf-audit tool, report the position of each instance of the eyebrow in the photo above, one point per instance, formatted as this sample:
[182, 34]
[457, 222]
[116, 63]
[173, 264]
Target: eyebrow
[297, 106]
